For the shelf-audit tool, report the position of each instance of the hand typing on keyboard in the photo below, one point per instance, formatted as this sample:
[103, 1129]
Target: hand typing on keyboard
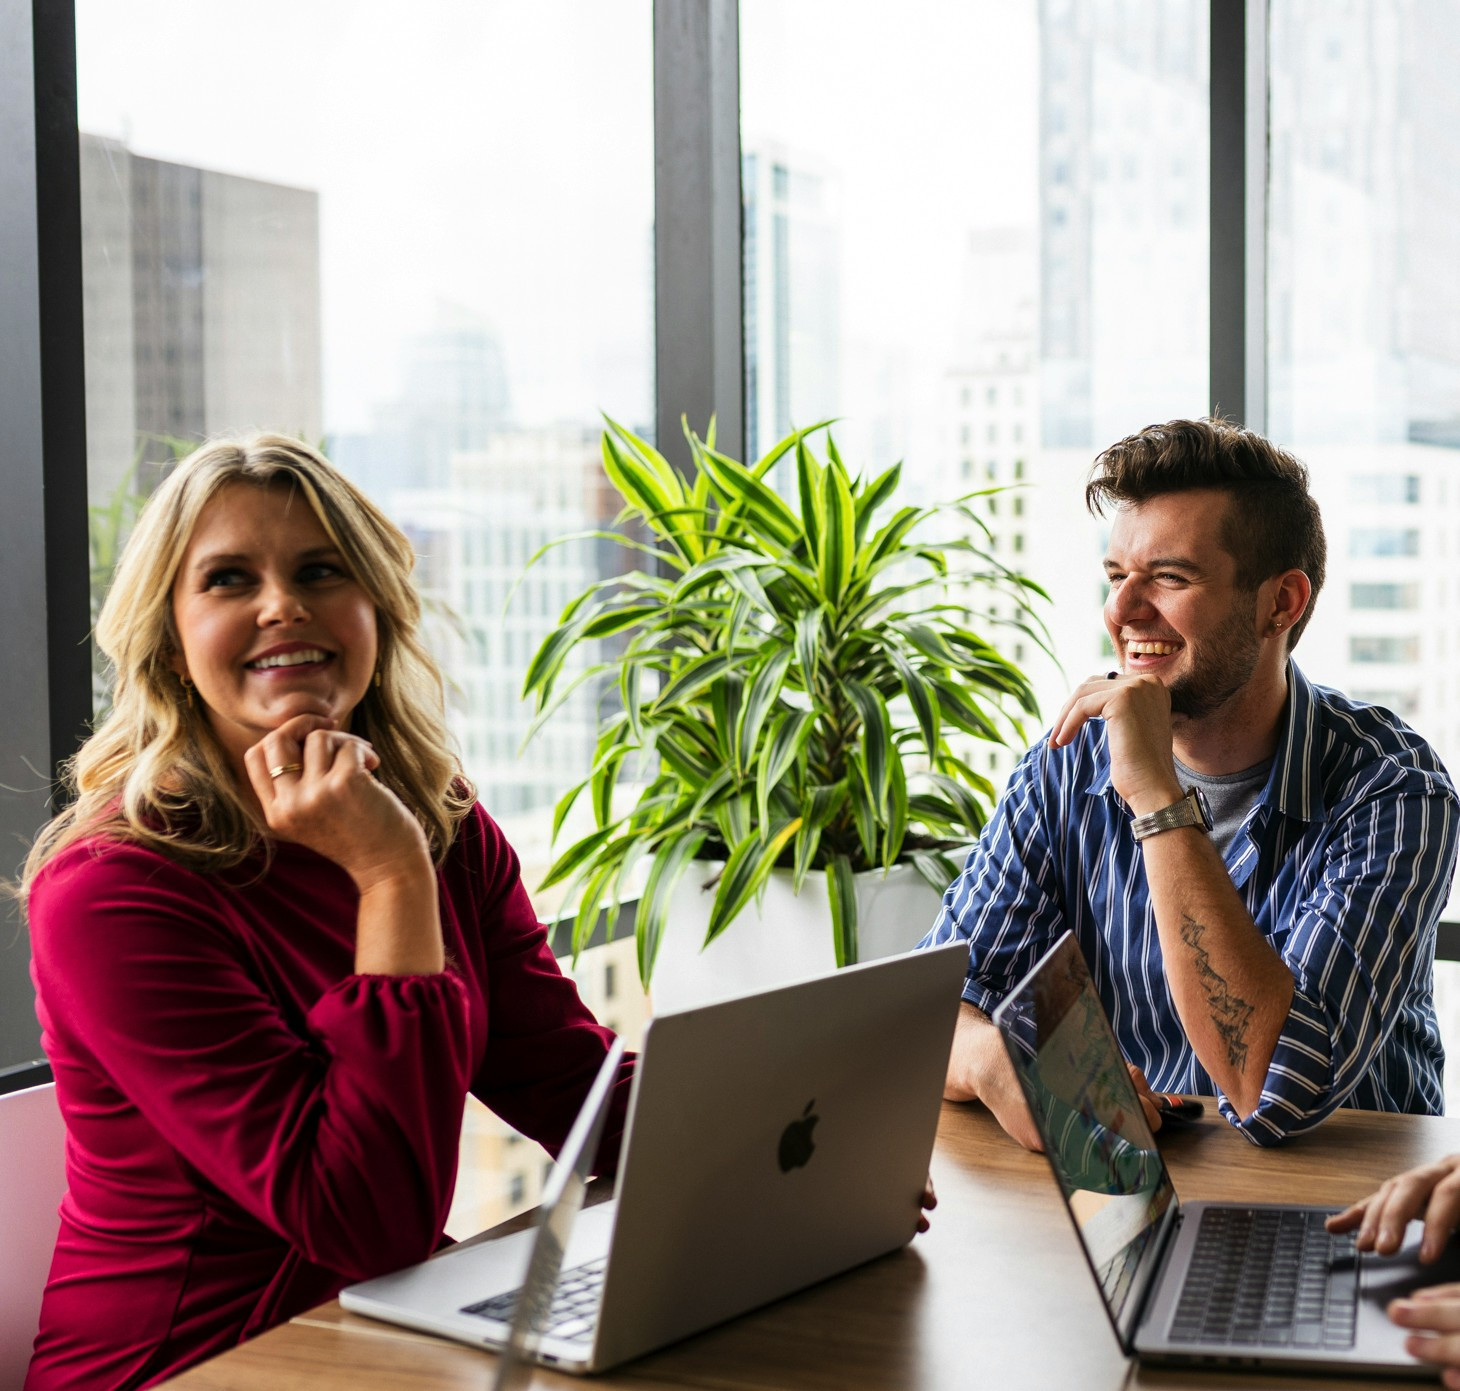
[1431, 1192]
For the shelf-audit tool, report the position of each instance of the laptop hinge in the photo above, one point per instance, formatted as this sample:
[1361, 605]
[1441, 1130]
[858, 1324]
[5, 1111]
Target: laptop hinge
[1165, 1244]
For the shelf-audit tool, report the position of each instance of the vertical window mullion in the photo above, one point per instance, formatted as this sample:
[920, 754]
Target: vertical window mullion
[699, 335]
[1239, 120]
[45, 681]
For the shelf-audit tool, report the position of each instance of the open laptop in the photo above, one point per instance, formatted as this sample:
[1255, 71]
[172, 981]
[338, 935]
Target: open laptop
[1206, 1284]
[772, 1141]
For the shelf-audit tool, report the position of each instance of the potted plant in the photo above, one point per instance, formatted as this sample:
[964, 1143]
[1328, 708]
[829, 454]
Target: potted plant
[788, 686]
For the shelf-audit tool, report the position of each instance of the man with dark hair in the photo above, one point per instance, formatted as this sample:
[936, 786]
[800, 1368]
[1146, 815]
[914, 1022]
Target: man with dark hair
[1253, 865]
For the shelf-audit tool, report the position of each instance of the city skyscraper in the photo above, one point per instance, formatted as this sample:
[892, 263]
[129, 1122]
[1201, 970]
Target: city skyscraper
[792, 289]
[201, 304]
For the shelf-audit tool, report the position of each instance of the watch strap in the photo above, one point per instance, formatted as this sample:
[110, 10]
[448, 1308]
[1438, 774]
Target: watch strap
[1189, 811]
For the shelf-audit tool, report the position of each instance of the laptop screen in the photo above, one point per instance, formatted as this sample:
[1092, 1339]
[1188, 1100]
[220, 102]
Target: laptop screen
[562, 1200]
[1095, 1135]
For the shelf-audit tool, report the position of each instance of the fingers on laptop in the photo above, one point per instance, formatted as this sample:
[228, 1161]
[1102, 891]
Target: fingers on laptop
[1435, 1314]
[929, 1201]
[1147, 1097]
[1431, 1191]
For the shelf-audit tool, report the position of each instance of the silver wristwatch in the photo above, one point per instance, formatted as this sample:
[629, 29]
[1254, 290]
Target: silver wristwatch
[1191, 810]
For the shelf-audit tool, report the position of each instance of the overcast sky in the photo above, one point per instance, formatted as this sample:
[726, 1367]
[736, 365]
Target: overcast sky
[498, 156]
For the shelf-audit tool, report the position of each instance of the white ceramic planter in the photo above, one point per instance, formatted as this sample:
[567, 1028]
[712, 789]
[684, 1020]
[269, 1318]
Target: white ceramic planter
[787, 939]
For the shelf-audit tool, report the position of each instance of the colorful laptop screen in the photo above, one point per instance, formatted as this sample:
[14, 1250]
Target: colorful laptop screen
[1095, 1134]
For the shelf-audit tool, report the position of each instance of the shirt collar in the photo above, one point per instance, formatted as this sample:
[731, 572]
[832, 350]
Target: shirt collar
[1295, 785]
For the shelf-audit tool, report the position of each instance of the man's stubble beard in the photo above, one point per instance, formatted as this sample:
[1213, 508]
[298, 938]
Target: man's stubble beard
[1221, 667]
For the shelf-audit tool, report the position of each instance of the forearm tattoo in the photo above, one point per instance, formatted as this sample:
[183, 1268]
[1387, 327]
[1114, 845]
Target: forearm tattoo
[1230, 1013]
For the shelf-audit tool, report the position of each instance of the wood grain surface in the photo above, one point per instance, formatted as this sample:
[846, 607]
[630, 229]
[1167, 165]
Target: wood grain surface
[996, 1294]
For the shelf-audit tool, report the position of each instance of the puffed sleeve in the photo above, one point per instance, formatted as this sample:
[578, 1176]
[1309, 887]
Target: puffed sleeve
[338, 1131]
[544, 1046]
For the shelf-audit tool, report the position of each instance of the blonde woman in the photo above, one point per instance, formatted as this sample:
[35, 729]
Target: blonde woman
[275, 939]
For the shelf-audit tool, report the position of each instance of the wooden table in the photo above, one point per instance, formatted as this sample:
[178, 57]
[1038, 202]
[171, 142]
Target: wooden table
[996, 1294]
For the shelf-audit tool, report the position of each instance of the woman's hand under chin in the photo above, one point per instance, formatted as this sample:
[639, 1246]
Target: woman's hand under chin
[326, 799]
[313, 782]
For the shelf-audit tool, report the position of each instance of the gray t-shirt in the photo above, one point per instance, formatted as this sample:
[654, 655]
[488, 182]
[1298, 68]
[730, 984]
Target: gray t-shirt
[1230, 796]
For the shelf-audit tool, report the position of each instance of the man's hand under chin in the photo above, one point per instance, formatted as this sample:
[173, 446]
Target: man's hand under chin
[979, 1070]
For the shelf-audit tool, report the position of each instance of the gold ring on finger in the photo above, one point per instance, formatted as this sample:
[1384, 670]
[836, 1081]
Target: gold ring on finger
[286, 768]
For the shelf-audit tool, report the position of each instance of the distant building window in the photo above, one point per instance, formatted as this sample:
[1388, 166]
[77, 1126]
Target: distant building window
[1383, 540]
[1387, 650]
[516, 1189]
[1384, 487]
[1383, 596]
[610, 981]
[1405, 704]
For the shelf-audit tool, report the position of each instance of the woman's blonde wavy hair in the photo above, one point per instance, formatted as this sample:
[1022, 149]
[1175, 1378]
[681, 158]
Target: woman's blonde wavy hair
[153, 773]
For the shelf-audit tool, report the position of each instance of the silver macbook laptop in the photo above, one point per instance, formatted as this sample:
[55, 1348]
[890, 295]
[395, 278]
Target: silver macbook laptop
[772, 1141]
[1205, 1284]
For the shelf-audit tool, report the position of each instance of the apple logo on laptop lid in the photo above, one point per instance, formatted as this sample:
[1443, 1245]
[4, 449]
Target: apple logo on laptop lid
[796, 1142]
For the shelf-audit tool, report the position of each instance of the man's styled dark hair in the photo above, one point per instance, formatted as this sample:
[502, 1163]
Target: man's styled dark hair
[1272, 524]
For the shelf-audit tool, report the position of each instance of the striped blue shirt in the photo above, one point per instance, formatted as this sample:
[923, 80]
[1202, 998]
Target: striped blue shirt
[1344, 862]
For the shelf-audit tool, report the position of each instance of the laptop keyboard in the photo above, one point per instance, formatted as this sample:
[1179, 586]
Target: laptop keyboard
[574, 1309]
[1269, 1276]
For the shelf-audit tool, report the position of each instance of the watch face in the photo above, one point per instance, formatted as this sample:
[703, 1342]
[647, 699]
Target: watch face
[1202, 806]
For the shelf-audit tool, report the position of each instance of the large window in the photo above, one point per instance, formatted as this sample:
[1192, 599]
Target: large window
[981, 234]
[990, 263]
[423, 237]
[1364, 331]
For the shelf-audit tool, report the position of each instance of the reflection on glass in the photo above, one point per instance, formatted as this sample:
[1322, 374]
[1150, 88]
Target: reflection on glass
[1094, 1131]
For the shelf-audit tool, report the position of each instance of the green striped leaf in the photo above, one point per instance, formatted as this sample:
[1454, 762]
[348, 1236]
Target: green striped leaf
[921, 697]
[838, 537]
[739, 486]
[748, 867]
[963, 713]
[864, 810]
[896, 816]
[937, 869]
[841, 892]
[877, 749]
[870, 498]
[586, 918]
[565, 805]
[765, 691]
[887, 542]
[616, 620]
[671, 859]
[778, 451]
[808, 487]
[970, 812]
[630, 687]
[576, 856]
[778, 754]
[808, 646]
[825, 802]
[695, 677]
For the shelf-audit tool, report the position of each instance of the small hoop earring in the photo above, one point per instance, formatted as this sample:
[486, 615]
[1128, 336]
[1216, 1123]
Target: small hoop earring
[377, 678]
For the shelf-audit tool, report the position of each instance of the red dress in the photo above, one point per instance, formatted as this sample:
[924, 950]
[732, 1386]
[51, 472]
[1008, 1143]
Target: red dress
[250, 1124]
